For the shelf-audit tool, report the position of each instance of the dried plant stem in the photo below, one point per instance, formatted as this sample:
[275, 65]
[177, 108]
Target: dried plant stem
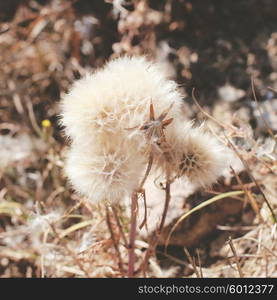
[253, 179]
[148, 169]
[272, 89]
[144, 221]
[134, 218]
[155, 240]
[115, 244]
[71, 252]
[260, 111]
[248, 194]
[32, 118]
[192, 262]
[166, 205]
[132, 239]
[236, 257]
[199, 263]
[141, 190]
[220, 124]
[45, 236]
[200, 206]
[119, 225]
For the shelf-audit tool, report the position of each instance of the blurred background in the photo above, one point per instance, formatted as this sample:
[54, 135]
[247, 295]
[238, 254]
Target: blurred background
[214, 46]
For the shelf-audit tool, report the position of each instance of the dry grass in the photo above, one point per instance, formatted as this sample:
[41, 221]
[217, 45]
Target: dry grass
[48, 231]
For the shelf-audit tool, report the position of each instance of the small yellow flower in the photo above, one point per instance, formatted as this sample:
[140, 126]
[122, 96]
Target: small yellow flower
[46, 123]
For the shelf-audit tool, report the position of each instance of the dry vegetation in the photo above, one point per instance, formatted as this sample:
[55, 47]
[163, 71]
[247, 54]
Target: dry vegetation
[46, 230]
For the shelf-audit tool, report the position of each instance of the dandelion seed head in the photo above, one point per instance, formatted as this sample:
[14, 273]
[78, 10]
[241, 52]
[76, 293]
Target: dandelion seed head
[117, 97]
[167, 157]
[103, 114]
[202, 157]
[104, 176]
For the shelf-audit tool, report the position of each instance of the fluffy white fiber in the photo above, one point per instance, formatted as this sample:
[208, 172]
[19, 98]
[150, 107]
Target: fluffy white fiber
[104, 176]
[104, 115]
[202, 158]
[116, 97]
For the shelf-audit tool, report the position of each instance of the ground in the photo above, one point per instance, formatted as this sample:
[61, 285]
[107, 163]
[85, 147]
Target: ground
[224, 49]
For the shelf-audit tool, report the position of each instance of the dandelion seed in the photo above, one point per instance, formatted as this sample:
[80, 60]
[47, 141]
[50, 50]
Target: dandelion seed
[202, 158]
[108, 177]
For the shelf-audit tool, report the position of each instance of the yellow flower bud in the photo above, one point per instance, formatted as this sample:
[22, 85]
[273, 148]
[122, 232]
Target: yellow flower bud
[46, 123]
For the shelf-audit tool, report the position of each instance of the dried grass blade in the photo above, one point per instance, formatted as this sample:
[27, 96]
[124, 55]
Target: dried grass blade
[200, 206]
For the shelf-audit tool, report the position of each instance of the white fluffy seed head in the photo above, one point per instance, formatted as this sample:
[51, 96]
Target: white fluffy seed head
[167, 160]
[201, 157]
[103, 114]
[103, 104]
[104, 176]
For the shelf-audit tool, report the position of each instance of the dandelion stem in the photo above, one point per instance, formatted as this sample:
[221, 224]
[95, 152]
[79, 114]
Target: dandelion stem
[166, 205]
[132, 239]
[144, 221]
[155, 240]
[141, 190]
[110, 227]
[117, 220]
[148, 169]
